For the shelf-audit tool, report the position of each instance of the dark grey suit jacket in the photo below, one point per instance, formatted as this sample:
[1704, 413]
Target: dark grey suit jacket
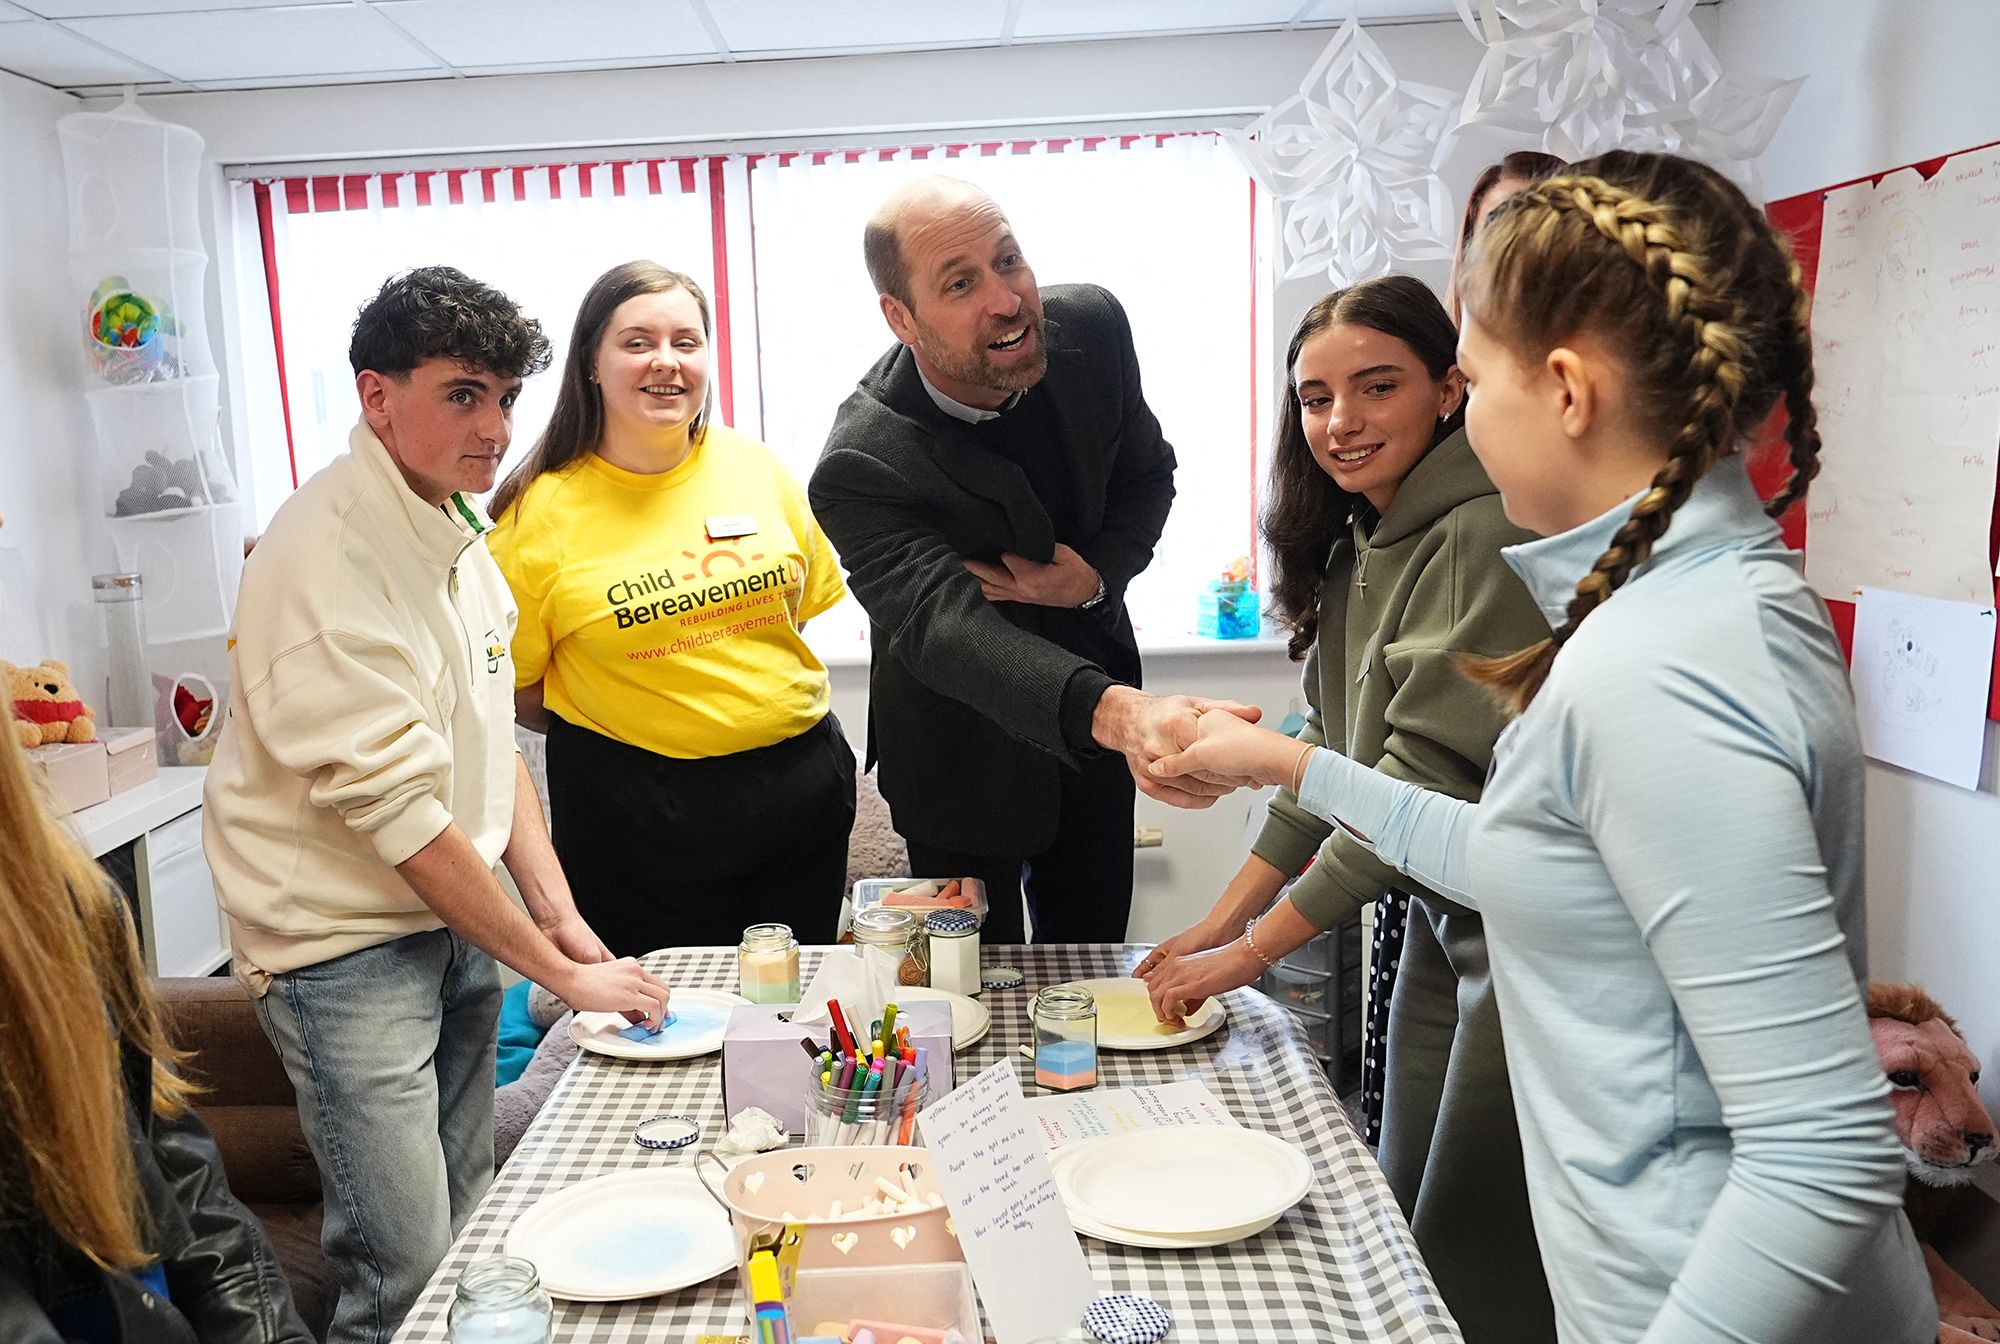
[974, 706]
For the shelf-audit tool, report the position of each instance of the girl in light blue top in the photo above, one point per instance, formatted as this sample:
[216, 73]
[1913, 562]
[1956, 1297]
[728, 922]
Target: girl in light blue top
[1667, 854]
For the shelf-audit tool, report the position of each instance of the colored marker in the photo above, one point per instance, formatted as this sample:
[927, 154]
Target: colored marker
[842, 1035]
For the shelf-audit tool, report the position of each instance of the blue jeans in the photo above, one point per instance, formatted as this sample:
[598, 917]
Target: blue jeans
[390, 1050]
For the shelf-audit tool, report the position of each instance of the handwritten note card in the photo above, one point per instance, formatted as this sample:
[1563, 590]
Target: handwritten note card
[1125, 1110]
[1009, 1217]
[1906, 348]
[1921, 668]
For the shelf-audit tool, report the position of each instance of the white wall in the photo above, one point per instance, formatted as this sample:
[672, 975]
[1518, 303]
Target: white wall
[54, 539]
[1888, 83]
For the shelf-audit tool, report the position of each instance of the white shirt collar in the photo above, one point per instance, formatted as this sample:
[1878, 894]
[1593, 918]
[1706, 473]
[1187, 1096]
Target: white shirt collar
[958, 410]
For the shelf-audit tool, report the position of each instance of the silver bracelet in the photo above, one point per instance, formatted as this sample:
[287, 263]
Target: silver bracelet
[1249, 926]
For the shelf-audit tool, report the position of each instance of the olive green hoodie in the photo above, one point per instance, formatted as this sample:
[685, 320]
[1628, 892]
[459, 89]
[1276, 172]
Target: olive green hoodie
[1400, 599]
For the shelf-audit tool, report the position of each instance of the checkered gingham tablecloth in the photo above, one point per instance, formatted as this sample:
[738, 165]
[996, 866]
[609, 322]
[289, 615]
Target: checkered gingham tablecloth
[1340, 1266]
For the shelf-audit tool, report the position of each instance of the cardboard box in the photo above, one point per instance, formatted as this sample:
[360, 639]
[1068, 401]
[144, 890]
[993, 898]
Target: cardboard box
[132, 756]
[762, 1064]
[76, 770]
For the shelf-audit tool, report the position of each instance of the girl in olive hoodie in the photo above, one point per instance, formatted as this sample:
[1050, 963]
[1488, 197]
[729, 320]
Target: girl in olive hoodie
[1386, 535]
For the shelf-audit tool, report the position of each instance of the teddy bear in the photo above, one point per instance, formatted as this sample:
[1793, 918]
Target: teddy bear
[46, 706]
[1945, 1130]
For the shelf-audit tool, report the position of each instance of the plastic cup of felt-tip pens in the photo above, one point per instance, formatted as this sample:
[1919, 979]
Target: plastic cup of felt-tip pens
[865, 1091]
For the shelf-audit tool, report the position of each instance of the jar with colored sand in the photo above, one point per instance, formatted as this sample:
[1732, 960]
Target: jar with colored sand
[1065, 1039]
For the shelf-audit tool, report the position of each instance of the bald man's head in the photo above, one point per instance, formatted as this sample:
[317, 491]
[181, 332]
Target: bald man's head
[911, 206]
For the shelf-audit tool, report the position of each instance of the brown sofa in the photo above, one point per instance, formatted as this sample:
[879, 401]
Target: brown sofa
[248, 1103]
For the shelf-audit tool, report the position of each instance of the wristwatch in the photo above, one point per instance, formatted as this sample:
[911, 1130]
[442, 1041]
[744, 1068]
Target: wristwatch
[1095, 599]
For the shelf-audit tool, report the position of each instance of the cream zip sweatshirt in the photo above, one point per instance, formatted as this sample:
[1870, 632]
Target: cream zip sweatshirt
[371, 705]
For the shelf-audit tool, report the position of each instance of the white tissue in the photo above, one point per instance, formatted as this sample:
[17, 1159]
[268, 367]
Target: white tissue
[864, 985]
[751, 1131]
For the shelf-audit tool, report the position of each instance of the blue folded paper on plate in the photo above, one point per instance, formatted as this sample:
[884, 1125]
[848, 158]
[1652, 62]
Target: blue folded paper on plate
[639, 1032]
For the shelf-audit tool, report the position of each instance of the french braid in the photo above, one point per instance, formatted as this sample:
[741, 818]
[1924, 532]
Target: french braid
[1712, 312]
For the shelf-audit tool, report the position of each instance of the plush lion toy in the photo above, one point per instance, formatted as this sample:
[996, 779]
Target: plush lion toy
[46, 707]
[1945, 1130]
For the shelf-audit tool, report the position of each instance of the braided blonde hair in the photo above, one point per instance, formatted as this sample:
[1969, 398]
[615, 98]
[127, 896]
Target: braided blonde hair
[1665, 260]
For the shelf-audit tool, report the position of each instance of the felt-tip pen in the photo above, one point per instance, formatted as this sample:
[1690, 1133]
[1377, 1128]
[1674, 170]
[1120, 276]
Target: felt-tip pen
[770, 1323]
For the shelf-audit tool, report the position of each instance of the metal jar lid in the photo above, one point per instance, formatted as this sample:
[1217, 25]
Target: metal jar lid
[951, 923]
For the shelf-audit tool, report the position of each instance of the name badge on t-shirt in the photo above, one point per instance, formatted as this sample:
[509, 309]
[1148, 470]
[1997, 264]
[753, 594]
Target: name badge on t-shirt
[728, 526]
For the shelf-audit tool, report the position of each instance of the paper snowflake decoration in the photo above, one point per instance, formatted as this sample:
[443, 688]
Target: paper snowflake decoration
[1585, 76]
[1350, 160]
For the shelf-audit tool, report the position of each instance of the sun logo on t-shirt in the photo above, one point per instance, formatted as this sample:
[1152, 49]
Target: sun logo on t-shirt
[720, 553]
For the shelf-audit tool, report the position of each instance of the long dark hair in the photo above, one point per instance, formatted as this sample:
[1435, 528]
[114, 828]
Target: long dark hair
[577, 425]
[1308, 511]
[1523, 165]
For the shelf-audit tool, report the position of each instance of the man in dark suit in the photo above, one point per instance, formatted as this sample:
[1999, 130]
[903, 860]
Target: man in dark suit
[992, 486]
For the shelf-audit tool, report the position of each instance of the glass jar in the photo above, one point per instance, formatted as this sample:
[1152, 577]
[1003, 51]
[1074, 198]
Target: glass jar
[500, 1300]
[885, 934]
[951, 951]
[1065, 1039]
[128, 691]
[767, 964]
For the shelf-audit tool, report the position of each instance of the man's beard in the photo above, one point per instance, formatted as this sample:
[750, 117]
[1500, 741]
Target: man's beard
[978, 368]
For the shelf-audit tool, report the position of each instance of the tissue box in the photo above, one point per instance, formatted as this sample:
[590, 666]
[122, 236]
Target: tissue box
[132, 756]
[762, 1064]
[76, 770]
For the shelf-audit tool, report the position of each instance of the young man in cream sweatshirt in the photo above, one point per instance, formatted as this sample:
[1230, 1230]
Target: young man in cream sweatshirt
[367, 783]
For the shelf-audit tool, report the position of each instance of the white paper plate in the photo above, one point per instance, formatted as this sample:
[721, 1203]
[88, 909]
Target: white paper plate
[1183, 1181]
[1125, 1018]
[970, 1019]
[1119, 1236]
[699, 1018]
[630, 1234]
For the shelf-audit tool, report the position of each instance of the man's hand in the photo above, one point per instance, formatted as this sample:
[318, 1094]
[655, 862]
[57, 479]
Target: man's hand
[622, 986]
[1066, 581]
[1146, 727]
[575, 939]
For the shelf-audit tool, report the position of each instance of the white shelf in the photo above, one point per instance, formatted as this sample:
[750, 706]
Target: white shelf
[126, 816]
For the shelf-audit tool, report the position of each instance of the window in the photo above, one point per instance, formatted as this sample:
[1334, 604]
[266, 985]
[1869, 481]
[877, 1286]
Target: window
[1165, 222]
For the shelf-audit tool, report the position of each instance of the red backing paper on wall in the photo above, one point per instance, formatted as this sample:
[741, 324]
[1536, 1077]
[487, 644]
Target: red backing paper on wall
[1799, 219]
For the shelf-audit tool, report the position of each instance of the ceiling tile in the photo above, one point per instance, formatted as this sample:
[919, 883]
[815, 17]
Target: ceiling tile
[48, 54]
[76, 9]
[1336, 11]
[9, 14]
[514, 32]
[819, 25]
[251, 44]
[1067, 18]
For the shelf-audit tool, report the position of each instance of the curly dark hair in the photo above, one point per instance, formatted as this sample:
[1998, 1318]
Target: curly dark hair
[441, 312]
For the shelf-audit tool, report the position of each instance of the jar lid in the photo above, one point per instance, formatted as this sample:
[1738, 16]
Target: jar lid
[768, 937]
[666, 1132]
[116, 583]
[884, 925]
[1001, 977]
[1127, 1318]
[951, 923]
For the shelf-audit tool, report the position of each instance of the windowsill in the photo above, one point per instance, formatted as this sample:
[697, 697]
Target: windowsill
[1150, 646]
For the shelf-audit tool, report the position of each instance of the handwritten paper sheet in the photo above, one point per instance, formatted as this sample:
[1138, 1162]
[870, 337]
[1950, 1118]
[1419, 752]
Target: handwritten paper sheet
[1921, 669]
[1906, 347]
[1125, 1110]
[1010, 1220]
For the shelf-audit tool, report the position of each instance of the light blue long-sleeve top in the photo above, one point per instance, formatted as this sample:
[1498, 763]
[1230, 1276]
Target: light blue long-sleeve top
[1668, 859]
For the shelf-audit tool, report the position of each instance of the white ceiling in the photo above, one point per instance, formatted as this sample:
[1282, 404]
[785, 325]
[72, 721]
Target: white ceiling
[92, 46]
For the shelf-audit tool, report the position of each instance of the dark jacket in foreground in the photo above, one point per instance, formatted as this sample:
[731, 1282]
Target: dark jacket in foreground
[222, 1276]
[975, 706]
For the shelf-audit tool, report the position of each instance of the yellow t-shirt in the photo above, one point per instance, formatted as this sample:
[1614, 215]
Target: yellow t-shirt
[664, 611]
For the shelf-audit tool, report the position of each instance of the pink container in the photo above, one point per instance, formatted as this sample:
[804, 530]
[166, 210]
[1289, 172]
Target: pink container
[807, 1182]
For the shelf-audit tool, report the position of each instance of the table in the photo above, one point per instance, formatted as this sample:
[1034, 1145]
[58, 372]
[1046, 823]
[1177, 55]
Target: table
[1339, 1266]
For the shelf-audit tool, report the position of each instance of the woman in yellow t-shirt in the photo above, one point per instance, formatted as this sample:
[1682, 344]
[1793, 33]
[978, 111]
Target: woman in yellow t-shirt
[665, 568]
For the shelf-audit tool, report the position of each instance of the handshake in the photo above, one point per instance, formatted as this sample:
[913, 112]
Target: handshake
[1189, 751]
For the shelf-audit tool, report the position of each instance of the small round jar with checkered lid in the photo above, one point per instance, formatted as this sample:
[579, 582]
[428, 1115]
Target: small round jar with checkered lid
[951, 939]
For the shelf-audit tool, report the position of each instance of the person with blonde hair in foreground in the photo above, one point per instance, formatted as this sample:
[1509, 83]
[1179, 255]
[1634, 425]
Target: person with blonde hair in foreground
[116, 1223]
